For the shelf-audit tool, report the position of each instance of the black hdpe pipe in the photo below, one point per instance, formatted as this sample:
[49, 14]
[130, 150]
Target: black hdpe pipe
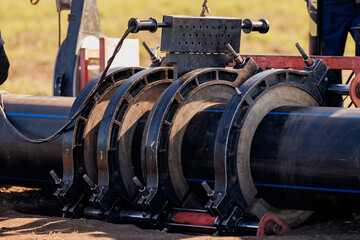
[308, 158]
[37, 117]
[197, 150]
[301, 157]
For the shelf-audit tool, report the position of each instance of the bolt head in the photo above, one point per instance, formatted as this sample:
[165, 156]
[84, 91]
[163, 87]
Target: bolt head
[357, 90]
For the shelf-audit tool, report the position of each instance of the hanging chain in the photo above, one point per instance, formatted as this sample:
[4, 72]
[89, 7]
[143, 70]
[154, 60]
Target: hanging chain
[205, 9]
[34, 2]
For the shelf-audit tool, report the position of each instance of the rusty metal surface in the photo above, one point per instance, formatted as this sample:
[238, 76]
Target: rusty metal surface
[271, 224]
[296, 62]
[354, 90]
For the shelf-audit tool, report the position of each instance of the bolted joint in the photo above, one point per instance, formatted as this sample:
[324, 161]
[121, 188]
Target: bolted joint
[210, 193]
[94, 188]
[237, 58]
[152, 52]
[58, 181]
[142, 189]
[272, 228]
[308, 61]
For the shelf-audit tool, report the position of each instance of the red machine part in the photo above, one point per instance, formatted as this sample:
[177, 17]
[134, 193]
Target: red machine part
[191, 218]
[271, 224]
[297, 62]
[84, 56]
[354, 90]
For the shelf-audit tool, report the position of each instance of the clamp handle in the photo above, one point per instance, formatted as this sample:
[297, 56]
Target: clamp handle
[58, 181]
[261, 26]
[152, 52]
[150, 25]
[308, 61]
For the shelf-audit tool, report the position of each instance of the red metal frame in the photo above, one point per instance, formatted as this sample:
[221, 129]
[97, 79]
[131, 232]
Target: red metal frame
[271, 224]
[84, 56]
[296, 62]
[353, 89]
[102, 53]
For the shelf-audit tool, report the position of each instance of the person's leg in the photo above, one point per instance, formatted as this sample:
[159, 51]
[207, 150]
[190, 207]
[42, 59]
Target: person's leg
[355, 22]
[334, 33]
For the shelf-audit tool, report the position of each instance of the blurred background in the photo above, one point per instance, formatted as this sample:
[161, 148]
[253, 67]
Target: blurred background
[31, 31]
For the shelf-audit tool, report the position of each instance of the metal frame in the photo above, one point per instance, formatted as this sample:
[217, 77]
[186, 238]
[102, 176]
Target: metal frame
[74, 165]
[156, 144]
[228, 187]
[80, 26]
[116, 164]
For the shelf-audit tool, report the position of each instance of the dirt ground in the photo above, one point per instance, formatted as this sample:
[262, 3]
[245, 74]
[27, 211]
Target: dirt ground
[34, 214]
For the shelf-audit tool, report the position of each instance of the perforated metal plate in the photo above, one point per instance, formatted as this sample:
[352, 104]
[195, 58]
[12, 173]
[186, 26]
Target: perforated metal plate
[200, 34]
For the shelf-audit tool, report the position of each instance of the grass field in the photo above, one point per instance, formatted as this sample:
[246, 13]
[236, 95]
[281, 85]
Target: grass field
[31, 32]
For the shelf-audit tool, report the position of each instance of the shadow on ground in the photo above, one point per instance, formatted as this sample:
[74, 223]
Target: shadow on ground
[34, 213]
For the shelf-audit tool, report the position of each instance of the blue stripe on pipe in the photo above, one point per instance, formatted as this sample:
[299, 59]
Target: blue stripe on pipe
[209, 110]
[307, 188]
[199, 180]
[284, 113]
[284, 186]
[214, 111]
[27, 179]
[36, 115]
[271, 113]
[313, 114]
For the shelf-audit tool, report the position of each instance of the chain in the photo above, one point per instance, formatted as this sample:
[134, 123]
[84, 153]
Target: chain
[34, 2]
[205, 9]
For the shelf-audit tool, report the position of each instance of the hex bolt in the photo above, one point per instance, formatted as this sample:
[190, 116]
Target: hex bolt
[272, 228]
[58, 181]
[357, 90]
[211, 194]
[95, 188]
[308, 61]
[237, 58]
[231, 49]
[152, 52]
[238, 91]
[144, 190]
[138, 183]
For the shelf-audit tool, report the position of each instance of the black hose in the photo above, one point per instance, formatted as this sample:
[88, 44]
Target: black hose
[82, 107]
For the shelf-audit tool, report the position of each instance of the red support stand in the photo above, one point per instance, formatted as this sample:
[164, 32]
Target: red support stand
[271, 224]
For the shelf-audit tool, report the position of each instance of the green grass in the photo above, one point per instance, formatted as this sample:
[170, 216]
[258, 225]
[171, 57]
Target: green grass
[31, 32]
